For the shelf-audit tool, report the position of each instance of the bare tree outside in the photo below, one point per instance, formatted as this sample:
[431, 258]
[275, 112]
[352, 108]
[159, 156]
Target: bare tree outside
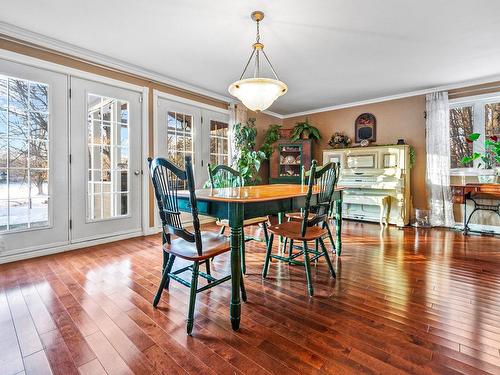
[460, 127]
[492, 119]
[27, 120]
[24, 157]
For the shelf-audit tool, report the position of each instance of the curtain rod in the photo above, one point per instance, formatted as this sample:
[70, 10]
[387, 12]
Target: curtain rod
[475, 90]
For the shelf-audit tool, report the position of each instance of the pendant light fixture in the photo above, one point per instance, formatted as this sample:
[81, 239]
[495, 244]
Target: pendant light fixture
[258, 93]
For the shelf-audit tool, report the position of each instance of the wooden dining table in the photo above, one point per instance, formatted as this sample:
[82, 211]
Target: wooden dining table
[242, 203]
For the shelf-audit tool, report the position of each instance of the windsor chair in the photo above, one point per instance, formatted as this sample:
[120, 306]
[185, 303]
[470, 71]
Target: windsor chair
[310, 227]
[196, 246]
[298, 216]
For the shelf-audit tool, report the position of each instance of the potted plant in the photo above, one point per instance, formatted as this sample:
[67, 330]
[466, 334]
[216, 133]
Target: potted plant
[270, 138]
[490, 157]
[305, 130]
[248, 160]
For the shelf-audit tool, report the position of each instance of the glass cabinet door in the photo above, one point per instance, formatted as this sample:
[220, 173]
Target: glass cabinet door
[290, 160]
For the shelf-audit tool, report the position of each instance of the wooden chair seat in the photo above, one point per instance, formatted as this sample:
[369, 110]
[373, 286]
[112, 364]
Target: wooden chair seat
[246, 223]
[299, 216]
[213, 245]
[292, 230]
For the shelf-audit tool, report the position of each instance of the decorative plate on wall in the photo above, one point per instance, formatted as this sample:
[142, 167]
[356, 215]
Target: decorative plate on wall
[365, 128]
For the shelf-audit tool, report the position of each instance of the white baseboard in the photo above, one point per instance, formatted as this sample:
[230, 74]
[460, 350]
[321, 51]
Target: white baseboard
[34, 253]
[62, 247]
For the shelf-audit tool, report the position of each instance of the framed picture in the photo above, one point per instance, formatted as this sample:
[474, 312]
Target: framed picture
[365, 128]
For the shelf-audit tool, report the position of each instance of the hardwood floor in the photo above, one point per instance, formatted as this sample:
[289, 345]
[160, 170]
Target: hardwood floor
[420, 302]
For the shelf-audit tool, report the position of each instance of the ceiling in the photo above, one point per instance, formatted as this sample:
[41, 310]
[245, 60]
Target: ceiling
[328, 52]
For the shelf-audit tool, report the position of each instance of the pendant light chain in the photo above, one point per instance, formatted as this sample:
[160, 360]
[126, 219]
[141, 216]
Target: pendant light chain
[256, 72]
[258, 32]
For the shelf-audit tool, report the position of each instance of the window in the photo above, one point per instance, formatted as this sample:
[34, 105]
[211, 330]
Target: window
[492, 119]
[479, 114]
[24, 154]
[179, 139]
[108, 152]
[460, 127]
[219, 143]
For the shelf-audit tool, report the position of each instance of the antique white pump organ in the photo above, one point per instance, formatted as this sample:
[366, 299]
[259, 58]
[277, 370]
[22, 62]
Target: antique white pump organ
[376, 181]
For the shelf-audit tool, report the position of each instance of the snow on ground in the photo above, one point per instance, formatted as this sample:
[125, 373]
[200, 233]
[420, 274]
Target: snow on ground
[20, 212]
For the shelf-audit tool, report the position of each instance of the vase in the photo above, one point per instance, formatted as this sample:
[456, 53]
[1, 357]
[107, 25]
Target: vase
[487, 178]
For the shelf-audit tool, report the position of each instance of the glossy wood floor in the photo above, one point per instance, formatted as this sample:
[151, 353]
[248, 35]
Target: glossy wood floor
[404, 301]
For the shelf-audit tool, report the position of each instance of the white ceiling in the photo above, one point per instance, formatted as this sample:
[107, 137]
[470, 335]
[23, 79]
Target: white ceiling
[329, 52]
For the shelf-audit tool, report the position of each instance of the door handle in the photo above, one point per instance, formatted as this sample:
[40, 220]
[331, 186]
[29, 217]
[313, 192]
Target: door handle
[137, 172]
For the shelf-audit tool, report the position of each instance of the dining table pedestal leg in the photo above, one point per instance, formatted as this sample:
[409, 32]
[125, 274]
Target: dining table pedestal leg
[236, 226]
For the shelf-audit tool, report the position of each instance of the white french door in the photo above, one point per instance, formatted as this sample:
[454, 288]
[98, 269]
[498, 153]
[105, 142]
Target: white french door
[33, 159]
[182, 129]
[106, 160]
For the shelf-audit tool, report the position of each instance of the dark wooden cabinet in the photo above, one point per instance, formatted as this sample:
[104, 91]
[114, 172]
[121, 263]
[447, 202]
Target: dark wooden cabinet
[288, 159]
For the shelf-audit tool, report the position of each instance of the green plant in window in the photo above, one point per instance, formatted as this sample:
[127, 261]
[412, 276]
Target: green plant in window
[490, 156]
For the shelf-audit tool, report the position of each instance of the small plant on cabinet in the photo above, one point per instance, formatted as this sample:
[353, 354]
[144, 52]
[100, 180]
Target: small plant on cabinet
[304, 130]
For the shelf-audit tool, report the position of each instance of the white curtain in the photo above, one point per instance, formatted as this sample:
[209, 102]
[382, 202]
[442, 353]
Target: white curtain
[241, 113]
[237, 114]
[232, 122]
[438, 159]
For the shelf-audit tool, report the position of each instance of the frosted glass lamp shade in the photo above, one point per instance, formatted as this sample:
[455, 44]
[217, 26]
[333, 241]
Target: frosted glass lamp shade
[257, 94]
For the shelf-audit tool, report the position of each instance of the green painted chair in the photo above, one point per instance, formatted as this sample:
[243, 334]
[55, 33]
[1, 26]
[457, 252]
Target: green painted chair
[310, 227]
[197, 246]
[298, 216]
[222, 176]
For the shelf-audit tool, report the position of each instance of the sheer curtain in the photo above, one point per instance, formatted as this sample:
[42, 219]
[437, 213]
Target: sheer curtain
[438, 159]
[232, 122]
[237, 114]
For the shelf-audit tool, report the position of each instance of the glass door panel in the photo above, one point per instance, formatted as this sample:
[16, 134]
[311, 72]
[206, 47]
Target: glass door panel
[178, 134]
[33, 162]
[107, 192]
[219, 142]
[179, 138]
[215, 146]
[24, 164]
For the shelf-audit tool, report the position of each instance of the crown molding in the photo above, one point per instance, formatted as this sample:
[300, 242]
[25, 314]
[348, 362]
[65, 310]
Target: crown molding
[20, 35]
[194, 103]
[280, 116]
[458, 85]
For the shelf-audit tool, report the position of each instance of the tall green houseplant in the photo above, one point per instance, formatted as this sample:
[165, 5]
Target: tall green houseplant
[248, 160]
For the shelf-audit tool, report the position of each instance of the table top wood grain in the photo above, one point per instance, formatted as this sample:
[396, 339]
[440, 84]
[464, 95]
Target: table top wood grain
[248, 194]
